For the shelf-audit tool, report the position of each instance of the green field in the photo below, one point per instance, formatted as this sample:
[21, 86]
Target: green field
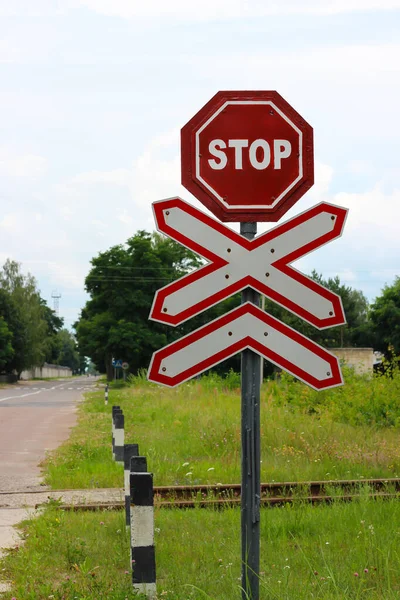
[192, 435]
[343, 551]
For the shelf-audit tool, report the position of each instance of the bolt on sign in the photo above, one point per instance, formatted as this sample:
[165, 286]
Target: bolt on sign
[248, 157]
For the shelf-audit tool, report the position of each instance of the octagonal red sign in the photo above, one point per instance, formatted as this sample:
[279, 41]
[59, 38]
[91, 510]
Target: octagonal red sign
[247, 156]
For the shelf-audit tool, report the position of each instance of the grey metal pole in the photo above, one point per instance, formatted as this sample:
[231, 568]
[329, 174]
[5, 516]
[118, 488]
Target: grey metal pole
[251, 488]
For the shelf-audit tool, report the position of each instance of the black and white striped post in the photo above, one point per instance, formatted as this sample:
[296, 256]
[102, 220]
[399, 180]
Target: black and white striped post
[114, 411]
[138, 464]
[142, 534]
[130, 451]
[119, 436]
[106, 394]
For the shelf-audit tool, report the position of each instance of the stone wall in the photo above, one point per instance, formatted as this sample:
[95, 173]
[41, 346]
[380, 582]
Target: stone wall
[10, 378]
[47, 371]
[361, 359]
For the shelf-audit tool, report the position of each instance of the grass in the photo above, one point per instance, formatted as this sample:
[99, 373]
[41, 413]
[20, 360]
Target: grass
[344, 551]
[192, 434]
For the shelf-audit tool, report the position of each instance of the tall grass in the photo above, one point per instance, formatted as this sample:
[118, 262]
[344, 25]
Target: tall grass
[192, 434]
[338, 552]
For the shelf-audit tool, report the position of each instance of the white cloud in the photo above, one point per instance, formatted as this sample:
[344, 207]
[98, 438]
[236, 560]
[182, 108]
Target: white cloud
[230, 9]
[373, 220]
[114, 177]
[21, 165]
[30, 8]
[10, 222]
[346, 64]
[65, 274]
[154, 174]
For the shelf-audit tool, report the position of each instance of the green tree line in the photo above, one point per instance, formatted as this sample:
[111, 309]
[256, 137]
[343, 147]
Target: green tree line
[123, 280]
[30, 332]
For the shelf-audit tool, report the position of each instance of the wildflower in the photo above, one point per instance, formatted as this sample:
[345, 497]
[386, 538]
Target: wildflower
[126, 572]
[186, 464]
[356, 574]
[189, 473]
[211, 469]
[315, 572]
[101, 522]
[365, 570]
[327, 543]
[133, 561]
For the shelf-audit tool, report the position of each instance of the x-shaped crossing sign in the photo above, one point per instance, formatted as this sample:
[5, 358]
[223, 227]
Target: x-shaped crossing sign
[235, 263]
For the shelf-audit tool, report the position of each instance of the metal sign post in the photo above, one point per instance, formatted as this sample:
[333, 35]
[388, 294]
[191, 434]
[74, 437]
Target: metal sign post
[251, 482]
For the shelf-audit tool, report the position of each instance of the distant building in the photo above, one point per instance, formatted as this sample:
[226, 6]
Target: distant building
[361, 359]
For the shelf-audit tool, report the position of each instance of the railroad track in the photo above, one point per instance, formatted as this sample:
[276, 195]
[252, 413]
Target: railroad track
[272, 494]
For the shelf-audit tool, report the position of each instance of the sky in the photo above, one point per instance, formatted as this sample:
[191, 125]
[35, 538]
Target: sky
[93, 94]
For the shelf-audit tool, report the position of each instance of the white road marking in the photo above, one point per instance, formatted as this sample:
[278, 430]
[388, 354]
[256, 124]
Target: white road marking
[25, 395]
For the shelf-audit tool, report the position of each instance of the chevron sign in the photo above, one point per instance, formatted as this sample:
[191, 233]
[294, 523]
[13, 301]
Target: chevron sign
[234, 263]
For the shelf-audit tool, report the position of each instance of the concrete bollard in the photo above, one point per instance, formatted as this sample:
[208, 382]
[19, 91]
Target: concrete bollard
[119, 421]
[142, 534]
[138, 464]
[130, 451]
[114, 411]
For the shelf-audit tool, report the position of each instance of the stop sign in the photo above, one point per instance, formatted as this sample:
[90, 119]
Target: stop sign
[247, 156]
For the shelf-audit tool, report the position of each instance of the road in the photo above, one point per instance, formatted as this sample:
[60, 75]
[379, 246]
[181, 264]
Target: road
[35, 417]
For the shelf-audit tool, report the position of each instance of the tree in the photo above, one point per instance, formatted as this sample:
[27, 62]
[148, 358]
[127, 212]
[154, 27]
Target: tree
[122, 283]
[385, 318]
[21, 308]
[68, 355]
[6, 349]
[54, 326]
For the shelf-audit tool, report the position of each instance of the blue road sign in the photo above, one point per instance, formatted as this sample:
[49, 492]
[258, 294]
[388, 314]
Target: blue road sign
[117, 364]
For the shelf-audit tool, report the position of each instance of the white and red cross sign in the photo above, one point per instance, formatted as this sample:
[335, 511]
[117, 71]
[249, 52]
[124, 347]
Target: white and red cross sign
[235, 263]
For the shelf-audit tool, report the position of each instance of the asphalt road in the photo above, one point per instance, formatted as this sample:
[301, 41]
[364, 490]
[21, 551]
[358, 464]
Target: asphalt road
[35, 417]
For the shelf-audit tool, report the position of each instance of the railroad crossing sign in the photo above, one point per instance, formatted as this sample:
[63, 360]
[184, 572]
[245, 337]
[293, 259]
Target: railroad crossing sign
[245, 327]
[236, 263]
[247, 156]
